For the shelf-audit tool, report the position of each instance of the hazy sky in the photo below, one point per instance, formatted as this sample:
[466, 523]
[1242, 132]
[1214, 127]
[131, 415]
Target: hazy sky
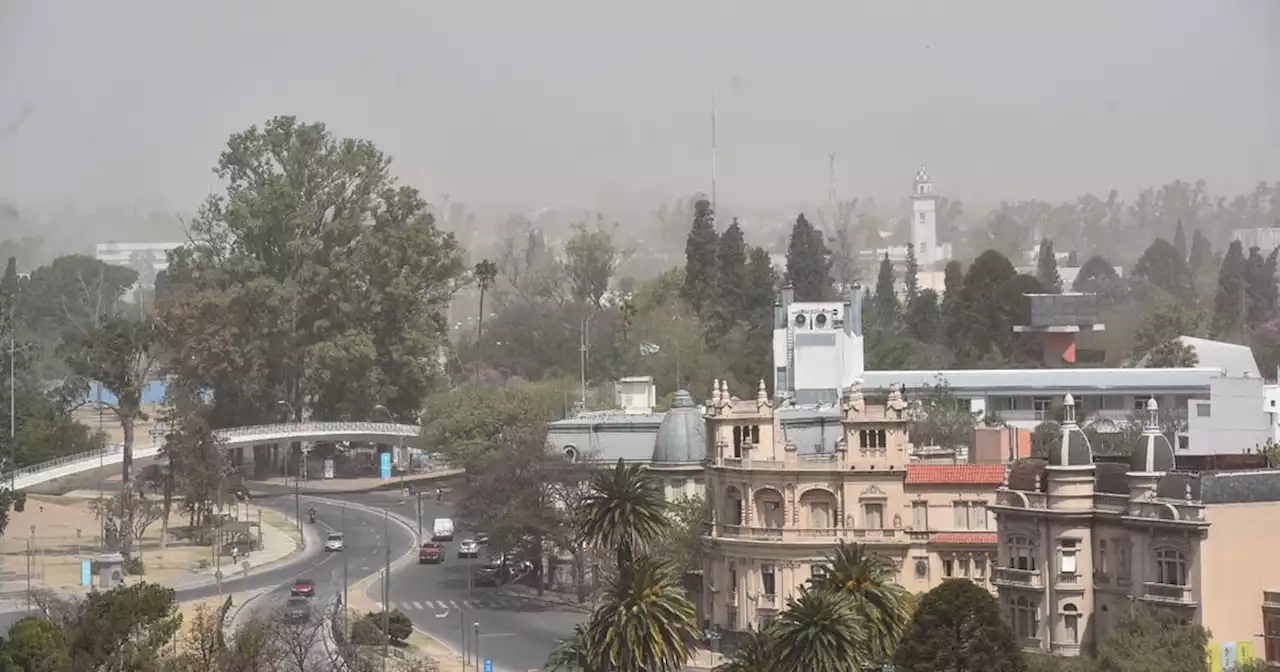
[128, 102]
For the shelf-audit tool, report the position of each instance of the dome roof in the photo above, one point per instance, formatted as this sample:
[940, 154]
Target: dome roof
[682, 437]
[1074, 449]
[1154, 453]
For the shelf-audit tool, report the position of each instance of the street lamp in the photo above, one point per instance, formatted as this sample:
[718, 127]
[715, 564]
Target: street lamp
[476, 631]
[297, 481]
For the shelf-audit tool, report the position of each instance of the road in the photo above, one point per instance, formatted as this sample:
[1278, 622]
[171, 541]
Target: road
[517, 633]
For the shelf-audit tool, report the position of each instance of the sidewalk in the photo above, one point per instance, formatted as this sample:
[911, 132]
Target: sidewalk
[282, 485]
[49, 540]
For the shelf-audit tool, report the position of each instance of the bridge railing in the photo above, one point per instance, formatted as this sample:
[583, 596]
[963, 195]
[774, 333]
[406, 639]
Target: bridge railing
[38, 467]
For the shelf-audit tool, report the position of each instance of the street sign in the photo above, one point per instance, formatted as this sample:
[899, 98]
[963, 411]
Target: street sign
[86, 572]
[488, 665]
[386, 466]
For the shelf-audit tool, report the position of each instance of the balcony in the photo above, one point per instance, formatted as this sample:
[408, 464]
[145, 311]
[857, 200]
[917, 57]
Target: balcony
[1111, 503]
[814, 462]
[1016, 578]
[1068, 581]
[1164, 593]
[821, 535]
[1014, 499]
[1029, 643]
[768, 601]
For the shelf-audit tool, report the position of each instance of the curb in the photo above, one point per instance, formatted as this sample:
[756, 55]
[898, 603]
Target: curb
[298, 554]
[229, 623]
[310, 544]
[570, 602]
[391, 484]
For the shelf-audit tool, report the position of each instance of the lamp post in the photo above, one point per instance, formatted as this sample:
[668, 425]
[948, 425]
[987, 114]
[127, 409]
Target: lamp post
[386, 588]
[297, 485]
[476, 636]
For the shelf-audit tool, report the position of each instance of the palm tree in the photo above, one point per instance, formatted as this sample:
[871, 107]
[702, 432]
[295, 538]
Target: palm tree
[820, 630]
[645, 622]
[485, 273]
[624, 510]
[866, 579]
[756, 654]
[574, 654]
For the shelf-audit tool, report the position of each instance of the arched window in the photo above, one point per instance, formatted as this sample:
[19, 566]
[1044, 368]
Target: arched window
[1024, 617]
[1071, 623]
[571, 453]
[1022, 554]
[1171, 567]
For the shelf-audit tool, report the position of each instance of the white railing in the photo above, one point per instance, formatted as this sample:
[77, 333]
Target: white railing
[69, 465]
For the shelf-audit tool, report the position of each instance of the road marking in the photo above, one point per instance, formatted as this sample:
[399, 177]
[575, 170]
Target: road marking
[498, 634]
[466, 603]
[418, 605]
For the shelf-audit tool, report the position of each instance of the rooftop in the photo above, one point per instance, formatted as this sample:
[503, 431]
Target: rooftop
[1235, 360]
[955, 474]
[1078, 381]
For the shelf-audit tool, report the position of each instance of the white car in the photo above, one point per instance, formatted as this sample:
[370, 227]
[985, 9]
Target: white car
[335, 542]
[468, 549]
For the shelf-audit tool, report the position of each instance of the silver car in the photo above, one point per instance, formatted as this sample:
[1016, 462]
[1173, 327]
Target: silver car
[335, 542]
[468, 549]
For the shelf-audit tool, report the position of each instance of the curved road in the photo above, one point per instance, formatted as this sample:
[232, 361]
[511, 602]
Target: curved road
[517, 633]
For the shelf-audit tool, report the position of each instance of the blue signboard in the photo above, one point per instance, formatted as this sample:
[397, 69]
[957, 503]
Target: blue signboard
[488, 665]
[86, 572]
[386, 466]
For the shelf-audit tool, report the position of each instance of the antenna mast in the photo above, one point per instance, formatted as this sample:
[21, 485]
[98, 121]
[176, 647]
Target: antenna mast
[831, 183]
[713, 152]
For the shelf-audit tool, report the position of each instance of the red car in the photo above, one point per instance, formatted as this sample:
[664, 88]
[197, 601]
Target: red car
[303, 588]
[430, 552]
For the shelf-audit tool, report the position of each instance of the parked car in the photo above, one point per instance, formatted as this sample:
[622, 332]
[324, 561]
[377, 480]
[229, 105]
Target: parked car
[482, 537]
[335, 542]
[468, 549]
[297, 610]
[490, 574]
[303, 588]
[430, 552]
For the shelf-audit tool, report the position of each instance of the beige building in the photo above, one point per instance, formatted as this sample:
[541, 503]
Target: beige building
[778, 509]
[1080, 540]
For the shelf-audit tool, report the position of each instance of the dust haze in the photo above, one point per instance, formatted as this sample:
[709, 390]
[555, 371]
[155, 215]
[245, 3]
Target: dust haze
[113, 114]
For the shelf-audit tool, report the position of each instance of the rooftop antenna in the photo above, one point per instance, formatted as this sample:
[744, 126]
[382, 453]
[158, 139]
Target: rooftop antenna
[713, 152]
[831, 182]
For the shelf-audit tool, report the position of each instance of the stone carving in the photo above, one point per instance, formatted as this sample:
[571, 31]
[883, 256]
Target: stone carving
[896, 405]
[897, 521]
[111, 538]
[853, 401]
[873, 491]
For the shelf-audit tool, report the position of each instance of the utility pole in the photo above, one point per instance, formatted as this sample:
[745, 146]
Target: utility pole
[13, 415]
[344, 565]
[582, 350]
[713, 152]
[386, 588]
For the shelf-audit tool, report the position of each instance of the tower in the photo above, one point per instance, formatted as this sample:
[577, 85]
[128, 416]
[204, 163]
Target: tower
[924, 221]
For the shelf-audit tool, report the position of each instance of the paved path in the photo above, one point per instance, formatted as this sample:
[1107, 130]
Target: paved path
[282, 485]
[516, 632]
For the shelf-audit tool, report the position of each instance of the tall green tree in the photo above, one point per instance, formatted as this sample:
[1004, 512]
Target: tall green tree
[1151, 640]
[1200, 259]
[120, 355]
[485, 274]
[867, 580]
[981, 306]
[1260, 288]
[35, 644]
[924, 317]
[645, 622]
[911, 275]
[958, 628]
[1161, 266]
[808, 262]
[1047, 267]
[700, 257]
[820, 630]
[1229, 307]
[126, 628]
[1098, 276]
[886, 297]
[625, 511]
[334, 274]
[753, 654]
[731, 278]
[591, 259]
[1180, 241]
[952, 307]
[1163, 323]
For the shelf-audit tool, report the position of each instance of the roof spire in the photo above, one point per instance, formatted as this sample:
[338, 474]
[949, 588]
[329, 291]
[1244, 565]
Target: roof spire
[1153, 416]
[1069, 410]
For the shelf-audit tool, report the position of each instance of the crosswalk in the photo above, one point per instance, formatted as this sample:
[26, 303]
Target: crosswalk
[494, 603]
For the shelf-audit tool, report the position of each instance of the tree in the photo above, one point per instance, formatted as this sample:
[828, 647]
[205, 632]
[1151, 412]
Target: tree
[124, 628]
[1229, 304]
[808, 262]
[578, 653]
[940, 418]
[1047, 268]
[1161, 266]
[886, 297]
[867, 580]
[1150, 640]
[924, 317]
[958, 628]
[145, 513]
[35, 644]
[952, 308]
[911, 277]
[1260, 288]
[731, 278]
[466, 423]
[341, 289]
[591, 259]
[74, 294]
[1163, 323]
[1098, 276]
[1173, 354]
[1201, 255]
[819, 630]
[119, 356]
[683, 544]
[1180, 241]
[980, 307]
[700, 257]
[754, 654]
[485, 273]
[624, 510]
[644, 623]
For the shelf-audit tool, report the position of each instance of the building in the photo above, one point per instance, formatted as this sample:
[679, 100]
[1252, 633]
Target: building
[147, 259]
[817, 347]
[930, 254]
[1265, 239]
[780, 504]
[1056, 320]
[1081, 538]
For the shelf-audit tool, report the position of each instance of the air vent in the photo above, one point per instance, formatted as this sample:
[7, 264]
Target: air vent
[799, 320]
[820, 320]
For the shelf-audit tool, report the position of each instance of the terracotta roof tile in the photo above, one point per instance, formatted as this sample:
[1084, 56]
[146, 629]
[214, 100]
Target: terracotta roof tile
[967, 538]
[955, 474]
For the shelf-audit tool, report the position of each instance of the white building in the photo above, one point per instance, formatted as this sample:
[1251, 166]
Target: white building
[1265, 239]
[817, 347]
[147, 259]
[930, 255]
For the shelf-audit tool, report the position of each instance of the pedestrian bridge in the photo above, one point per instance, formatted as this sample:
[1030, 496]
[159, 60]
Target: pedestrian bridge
[234, 437]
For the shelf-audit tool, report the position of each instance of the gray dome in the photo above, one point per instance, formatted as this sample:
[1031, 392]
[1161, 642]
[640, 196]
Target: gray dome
[1074, 449]
[682, 437]
[1154, 453]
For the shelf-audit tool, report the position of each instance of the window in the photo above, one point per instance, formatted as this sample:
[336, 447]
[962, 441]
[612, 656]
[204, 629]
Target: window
[969, 515]
[960, 516]
[1272, 637]
[820, 517]
[678, 486]
[780, 378]
[920, 516]
[772, 513]
[1140, 405]
[1202, 410]
[1102, 559]
[872, 438]
[755, 435]
[924, 247]
[1042, 407]
[922, 568]
[873, 515]
[1071, 623]
[817, 571]
[964, 566]
[571, 453]
[1125, 552]
[1171, 567]
[980, 567]
[737, 442]
[1067, 557]
[768, 582]
[922, 218]
[731, 619]
[1024, 617]
[1021, 554]
[733, 581]
[948, 567]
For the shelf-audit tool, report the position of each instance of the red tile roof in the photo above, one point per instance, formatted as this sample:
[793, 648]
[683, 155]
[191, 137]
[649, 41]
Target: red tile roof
[955, 474]
[967, 538]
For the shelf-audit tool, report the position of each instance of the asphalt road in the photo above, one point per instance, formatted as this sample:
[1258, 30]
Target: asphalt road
[517, 633]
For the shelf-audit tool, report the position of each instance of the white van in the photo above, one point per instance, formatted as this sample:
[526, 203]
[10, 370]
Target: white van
[442, 530]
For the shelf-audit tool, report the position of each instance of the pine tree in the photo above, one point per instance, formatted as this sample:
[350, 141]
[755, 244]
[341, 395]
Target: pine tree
[1047, 268]
[952, 315]
[1180, 241]
[1201, 253]
[731, 268]
[759, 293]
[912, 278]
[809, 262]
[700, 257]
[1229, 304]
[923, 317]
[886, 298]
[1260, 288]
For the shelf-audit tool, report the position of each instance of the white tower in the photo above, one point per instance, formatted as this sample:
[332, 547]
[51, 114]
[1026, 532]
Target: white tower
[924, 221]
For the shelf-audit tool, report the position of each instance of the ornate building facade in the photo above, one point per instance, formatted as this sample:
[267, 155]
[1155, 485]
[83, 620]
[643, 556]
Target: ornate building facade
[778, 508]
[1081, 539]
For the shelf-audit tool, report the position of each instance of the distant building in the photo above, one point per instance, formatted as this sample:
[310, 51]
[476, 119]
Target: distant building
[817, 347]
[930, 254]
[1080, 539]
[148, 259]
[1265, 239]
[1056, 319]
